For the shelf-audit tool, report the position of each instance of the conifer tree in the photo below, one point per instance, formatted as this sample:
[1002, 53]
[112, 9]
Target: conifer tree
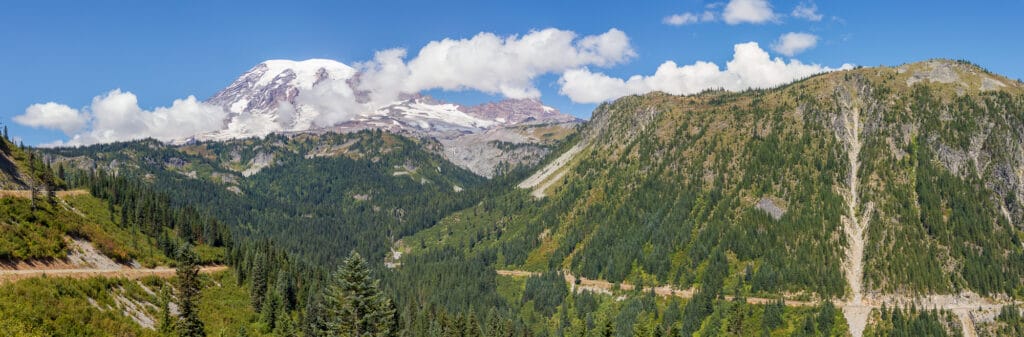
[284, 326]
[472, 328]
[826, 318]
[773, 315]
[61, 173]
[270, 311]
[258, 291]
[166, 320]
[286, 290]
[497, 325]
[315, 321]
[354, 304]
[188, 293]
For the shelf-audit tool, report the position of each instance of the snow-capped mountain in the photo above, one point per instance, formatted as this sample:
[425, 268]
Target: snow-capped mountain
[265, 86]
[287, 96]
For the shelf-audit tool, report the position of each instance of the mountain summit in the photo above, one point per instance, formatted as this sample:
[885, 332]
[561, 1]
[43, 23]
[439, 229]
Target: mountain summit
[265, 86]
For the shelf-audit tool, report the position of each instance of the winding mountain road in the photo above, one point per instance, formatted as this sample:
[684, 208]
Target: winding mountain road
[11, 275]
[601, 286]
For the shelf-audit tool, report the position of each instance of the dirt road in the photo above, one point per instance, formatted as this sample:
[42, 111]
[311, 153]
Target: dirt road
[20, 274]
[606, 287]
[25, 194]
[964, 306]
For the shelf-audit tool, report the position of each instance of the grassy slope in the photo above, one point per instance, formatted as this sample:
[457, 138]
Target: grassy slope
[40, 234]
[61, 306]
[20, 169]
[27, 235]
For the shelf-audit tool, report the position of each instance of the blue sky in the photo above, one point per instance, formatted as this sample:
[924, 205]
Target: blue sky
[70, 52]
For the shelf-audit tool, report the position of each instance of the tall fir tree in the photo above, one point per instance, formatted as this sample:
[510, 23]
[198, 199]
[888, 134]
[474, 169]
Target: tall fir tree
[354, 304]
[270, 311]
[166, 320]
[258, 291]
[314, 322]
[286, 290]
[189, 324]
[284, 327]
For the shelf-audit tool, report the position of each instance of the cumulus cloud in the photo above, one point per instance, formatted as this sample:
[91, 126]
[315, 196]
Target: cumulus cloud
[485, 62]
[326, 104]
[494, 64]
[748, 11]
[750, 67]
[680, 19]
[52, 116]
[116, 116]
[807, 11]
[790, 44]
[688, 18]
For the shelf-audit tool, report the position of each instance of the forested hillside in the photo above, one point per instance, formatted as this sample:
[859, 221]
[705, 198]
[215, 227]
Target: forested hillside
[128, 223]
[663, 183]
[316, 195]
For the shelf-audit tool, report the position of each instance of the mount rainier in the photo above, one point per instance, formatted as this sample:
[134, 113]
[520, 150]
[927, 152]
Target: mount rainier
[320, 95]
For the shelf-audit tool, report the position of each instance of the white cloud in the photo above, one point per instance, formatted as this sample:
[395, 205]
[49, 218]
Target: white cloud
[807, 11]
[52, 116]
[748, 11]
[116, 116]
[790, 44]
[688, 18]
[751, 67]
[486, 62]
[508, 65]
[708, 16]
[680, 19]
[331, 102]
